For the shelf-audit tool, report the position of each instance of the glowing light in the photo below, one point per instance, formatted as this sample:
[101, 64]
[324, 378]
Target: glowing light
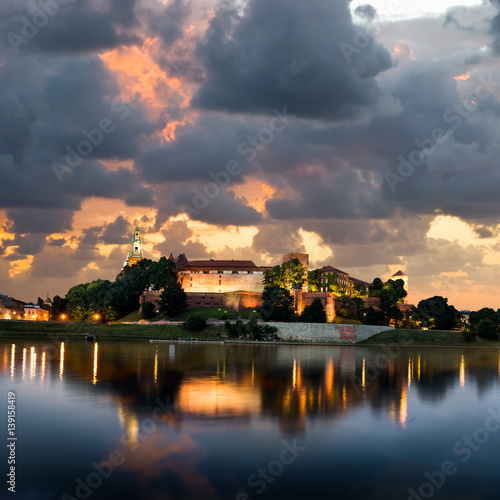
[96, 317]
[63, 317]
[61, 361]
[462, 372]
[418, 368]
[12, 361]
[94, 377]
[24, 361]
[294, 374]
[344, 396]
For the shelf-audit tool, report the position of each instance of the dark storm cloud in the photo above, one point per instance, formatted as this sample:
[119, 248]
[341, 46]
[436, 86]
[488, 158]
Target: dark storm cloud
[40, 220]
[116, 232]
[213, 205]
[71, 27]
[288, 53]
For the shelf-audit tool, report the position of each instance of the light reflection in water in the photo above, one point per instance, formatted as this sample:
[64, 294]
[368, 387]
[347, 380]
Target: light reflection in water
[61, 361]
[156, 366]
[363, 375]
[462, 372]
[24, 362]
[409, 371]
[94, 373]
[12, 361]
[32, 363]
[43, 366]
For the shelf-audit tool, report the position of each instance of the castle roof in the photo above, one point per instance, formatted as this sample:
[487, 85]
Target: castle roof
[361, 282]
[332, 269]
[219, 263]
[399, 273]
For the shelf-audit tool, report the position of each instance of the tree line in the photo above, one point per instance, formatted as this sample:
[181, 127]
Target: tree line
[110, 300]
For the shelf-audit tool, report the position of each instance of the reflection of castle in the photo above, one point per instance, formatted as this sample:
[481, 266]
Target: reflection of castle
[286, 383]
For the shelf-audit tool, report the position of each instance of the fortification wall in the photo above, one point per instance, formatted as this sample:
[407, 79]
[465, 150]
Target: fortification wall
[321, 332]
[222, 283]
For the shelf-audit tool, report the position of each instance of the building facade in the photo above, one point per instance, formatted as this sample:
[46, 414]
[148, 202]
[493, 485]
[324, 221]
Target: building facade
[221, 276]
[35, 313]
[11, 308]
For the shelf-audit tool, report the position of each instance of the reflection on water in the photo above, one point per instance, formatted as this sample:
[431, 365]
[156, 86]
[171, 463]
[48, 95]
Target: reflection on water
[195, 421]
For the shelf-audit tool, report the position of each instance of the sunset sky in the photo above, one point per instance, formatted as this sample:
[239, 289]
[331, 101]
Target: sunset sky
[367, 135]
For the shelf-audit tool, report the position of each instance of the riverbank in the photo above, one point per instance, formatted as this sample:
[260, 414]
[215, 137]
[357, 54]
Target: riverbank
[427, 338]
[58, 330]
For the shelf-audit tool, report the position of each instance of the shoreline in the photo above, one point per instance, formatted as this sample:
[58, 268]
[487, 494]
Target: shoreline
[59, 336]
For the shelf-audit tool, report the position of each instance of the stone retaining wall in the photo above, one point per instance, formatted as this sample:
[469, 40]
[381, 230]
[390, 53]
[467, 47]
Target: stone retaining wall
[321, 332]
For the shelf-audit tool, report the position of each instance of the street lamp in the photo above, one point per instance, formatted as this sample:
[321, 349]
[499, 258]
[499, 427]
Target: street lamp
[96, 317]
[63, 317]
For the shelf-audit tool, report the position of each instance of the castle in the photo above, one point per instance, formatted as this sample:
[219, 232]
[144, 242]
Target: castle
[238, 284]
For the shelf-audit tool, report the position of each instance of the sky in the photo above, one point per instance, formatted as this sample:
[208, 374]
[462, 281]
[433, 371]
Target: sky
[365, 134]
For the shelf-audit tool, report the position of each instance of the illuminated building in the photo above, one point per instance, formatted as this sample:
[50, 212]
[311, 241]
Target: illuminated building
[135, 253]
[35, 313]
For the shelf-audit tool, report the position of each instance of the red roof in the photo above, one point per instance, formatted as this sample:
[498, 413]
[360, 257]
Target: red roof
[332, 269]
[219, 263]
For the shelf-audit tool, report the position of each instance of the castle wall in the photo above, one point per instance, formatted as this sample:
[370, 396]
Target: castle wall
[214, 282]
[324, 332]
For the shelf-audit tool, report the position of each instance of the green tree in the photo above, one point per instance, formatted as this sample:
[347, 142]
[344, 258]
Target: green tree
[351, 307]
[148, 310]
[484, 313]
[195, 324]
[173, 299]
[160, 273]
[277, 304]
[58, 307]
[439, 314]
[314, 313]
[288, 275]
[372, 316]
[314, 280]
[487, 329]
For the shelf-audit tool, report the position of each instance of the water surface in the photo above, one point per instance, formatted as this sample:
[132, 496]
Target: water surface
[130, 420]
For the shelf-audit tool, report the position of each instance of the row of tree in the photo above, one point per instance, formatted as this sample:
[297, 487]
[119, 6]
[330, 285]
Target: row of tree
[111, 300]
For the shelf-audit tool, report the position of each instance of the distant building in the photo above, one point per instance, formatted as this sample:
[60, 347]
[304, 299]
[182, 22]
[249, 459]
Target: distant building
[332, 275]
[135, 253]
[35, 313]
[11, 308]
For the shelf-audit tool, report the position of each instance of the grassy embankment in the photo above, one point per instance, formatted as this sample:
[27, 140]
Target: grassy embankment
[42, 329]
[426, 338]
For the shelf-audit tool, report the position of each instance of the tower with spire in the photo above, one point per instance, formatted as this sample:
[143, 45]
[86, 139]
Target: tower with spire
[400, 275]
[135, 253]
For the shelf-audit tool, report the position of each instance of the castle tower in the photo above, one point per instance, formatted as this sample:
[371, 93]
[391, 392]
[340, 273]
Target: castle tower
[400, 275]
[135, 253]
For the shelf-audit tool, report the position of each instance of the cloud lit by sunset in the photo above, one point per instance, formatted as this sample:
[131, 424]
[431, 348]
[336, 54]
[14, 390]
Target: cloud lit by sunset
[313, 122]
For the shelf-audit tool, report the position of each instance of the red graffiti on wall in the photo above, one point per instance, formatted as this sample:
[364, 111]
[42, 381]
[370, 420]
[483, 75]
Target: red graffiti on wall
[347, 333]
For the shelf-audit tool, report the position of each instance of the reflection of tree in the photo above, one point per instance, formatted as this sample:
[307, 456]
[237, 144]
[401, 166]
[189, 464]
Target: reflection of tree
[290, 384]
